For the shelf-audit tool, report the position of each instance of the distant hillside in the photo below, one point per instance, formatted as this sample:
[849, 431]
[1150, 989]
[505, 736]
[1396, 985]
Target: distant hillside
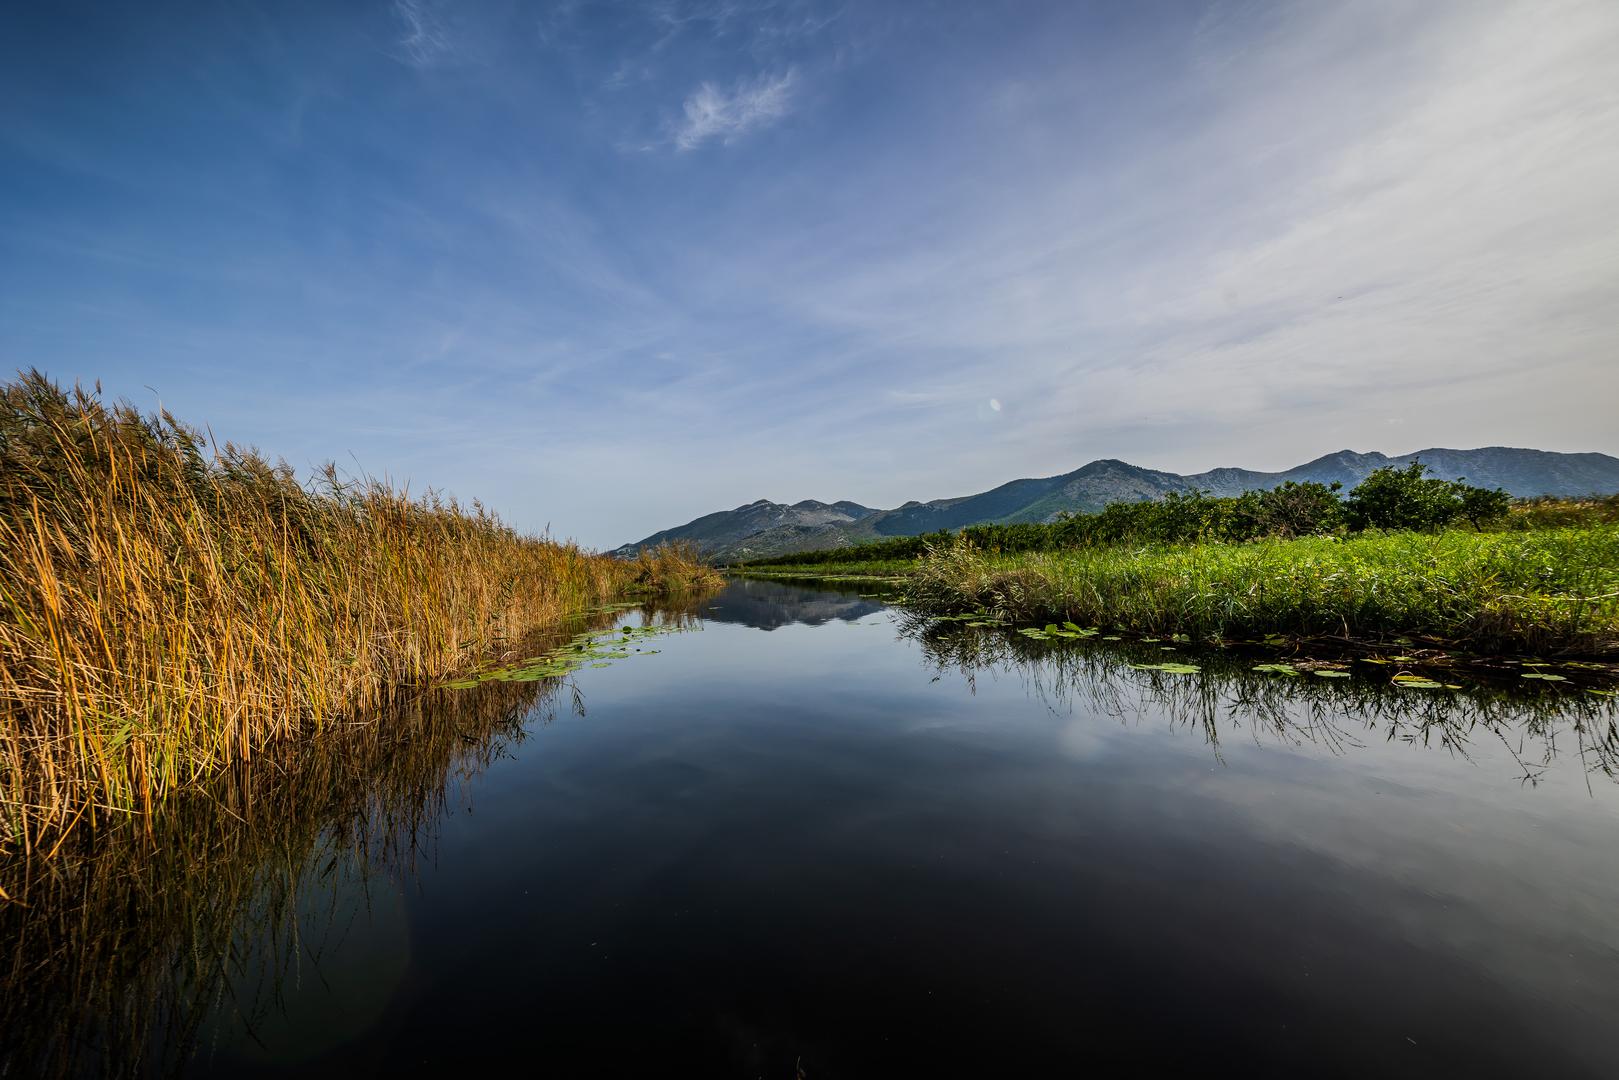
[764, 528]
[724, 529]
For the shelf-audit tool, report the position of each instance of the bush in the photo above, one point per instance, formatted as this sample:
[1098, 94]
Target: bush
[1289, 511]
[1481, 506]
[1409, 499]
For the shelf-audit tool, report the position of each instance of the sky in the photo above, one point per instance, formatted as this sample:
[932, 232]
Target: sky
[609, 266]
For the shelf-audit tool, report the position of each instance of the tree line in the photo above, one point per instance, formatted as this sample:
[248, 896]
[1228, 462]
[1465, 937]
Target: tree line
[1404, 499]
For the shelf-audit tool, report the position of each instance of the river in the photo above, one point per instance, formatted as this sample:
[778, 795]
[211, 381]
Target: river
[804, 836]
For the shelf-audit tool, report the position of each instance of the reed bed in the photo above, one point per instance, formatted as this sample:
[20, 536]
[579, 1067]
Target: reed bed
[673, 570]
[1544, 591]
[169, 607]
[131, 943]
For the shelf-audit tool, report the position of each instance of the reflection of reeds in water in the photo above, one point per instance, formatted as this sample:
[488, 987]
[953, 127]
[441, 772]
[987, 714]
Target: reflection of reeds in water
[1226, 695]
[129, 941]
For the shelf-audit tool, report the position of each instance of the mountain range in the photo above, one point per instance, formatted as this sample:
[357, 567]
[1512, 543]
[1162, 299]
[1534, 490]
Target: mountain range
[763, 528]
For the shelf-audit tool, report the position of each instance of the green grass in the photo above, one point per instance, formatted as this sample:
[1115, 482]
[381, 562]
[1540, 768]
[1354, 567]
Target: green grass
[865, 570]
[1545, 591]
[1282, 514]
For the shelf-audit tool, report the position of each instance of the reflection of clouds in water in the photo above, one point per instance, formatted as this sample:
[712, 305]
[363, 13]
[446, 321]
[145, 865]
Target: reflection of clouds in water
[1229, 703]
[1443, 833]
[1440, 844]
[1423, 803]
[1082, 739]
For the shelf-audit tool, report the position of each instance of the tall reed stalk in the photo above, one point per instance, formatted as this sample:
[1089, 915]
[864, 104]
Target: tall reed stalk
[168, 607]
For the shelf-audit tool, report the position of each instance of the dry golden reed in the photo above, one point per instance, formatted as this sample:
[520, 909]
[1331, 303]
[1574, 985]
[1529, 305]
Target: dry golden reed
[168, 607]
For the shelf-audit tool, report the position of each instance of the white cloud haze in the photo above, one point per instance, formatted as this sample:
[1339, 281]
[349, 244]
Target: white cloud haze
[713, 113]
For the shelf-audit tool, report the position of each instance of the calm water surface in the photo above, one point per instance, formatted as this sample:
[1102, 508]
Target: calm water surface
[797, 841]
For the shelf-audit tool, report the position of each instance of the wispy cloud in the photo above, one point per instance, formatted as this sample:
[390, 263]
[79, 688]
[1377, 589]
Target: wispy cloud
[714, 113]
[424, 42]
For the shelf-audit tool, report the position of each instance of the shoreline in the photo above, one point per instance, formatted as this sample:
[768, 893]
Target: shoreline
[1549, 592]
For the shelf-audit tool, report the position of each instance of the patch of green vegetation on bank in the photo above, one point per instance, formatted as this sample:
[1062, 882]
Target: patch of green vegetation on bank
[590, 648]
[1388, 500]
[865, 570]
[1545, 591]
[1403, 553]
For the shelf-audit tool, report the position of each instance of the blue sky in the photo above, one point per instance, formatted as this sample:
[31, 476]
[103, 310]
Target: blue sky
[608, 266]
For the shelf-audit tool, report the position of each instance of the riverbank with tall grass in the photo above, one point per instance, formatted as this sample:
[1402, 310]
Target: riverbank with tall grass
[120, 945]
[169, 607]
[1548, 591]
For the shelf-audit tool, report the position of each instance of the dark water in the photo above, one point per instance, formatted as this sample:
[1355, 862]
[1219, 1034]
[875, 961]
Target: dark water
[798, 842]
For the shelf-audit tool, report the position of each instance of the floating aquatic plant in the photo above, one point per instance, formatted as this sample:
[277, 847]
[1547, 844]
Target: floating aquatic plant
[594, 650]
[1417, 682]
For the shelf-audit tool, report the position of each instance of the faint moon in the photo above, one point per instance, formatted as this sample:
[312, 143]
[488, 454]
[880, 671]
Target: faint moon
[995, 403]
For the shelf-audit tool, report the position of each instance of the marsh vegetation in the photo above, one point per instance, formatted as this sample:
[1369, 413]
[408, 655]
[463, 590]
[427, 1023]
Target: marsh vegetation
[122, 947]
[1542, 592]
[170, 607]
[1402, 554]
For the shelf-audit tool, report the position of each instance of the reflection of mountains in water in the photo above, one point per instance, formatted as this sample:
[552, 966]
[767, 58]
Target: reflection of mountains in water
[766, 605]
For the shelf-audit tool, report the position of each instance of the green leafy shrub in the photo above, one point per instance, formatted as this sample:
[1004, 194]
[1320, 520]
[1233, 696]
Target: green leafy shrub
[1409, 499]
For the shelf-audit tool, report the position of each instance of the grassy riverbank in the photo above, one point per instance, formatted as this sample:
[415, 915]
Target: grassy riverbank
[1402, 554]
[168, 607]
[1552, 590]
[861, 570]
